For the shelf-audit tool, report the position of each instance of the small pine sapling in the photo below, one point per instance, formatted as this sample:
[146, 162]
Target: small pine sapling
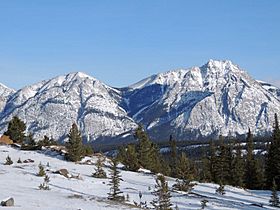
[221, 189]
[99, 173]
[45, 184]
[19, 161]
[141, 204]
[203, 203]
[8, 161]
[127, 198]
[41, 170]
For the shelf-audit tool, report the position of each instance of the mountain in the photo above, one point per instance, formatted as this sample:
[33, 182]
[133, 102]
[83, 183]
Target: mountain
[215, 99]
[50, 107]
[5, 93]
[218, 98]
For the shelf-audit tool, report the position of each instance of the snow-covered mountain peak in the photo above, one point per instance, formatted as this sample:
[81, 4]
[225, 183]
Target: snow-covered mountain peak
[166, 78]
[2, 86]
[220, 67]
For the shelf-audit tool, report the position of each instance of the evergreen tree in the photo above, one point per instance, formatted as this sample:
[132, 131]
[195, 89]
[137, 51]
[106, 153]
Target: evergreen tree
[45, 141]
[238, 168]
[128, 157]
[222, 164]
[19, 160]
[164, 167]
[221, 189]
[41, 170]
[253, 174]
[205, 170]
[8, 161]
[173, 155]
[45, 184]
[115, 179]
[99, 173]
[16, 130]
[272, 169]
[157, 161]
[204, 203]
[212, 163]
[162, 200]
[30, 140]
[184, 174]
[274, 200]
[148, 154]
[74, 145]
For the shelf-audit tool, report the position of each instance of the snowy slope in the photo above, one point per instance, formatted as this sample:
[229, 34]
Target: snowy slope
[50, 107]
[218, 98]
[5, 93]
[20, 182]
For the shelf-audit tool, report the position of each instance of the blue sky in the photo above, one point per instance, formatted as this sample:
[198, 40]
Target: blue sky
[121, 42]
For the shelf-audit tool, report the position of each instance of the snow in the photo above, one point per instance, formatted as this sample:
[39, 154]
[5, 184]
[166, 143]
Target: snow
[20, 182]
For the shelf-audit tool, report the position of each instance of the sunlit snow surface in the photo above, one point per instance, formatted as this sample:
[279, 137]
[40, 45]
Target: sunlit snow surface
[20, 182]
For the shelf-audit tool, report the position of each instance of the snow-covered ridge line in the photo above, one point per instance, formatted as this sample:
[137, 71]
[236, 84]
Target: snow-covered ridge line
[218, 98]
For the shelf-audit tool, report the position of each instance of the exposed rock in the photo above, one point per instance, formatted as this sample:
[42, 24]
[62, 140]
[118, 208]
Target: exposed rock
[64, 172]
[8, 202]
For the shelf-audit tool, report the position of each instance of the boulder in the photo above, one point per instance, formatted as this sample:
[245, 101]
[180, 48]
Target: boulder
[8, 202]
[64, 172]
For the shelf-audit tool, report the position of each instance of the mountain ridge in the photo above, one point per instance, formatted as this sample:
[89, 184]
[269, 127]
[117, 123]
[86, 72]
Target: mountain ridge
[218, 98]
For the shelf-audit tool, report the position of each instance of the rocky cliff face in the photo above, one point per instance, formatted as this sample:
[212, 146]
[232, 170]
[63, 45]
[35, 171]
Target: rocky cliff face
[5, 93]
[50, 107]
[217, 98]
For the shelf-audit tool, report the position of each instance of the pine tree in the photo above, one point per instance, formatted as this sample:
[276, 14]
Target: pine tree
[19, 160]
[128, 157]
[184, 174]
[148, 154]
[41, 170]
[16, 130]
[156, 160]
[222, 164]
[205, 170]
[204, 203]
[162, 200]
[99, 173]
[221, 189]
[274, 200]
[253, 174]
[45, 184]
[212, 162]
[74, 145]
[8, 161]
[30, 140]
[238, 168]
[272, 169]
[115, 178]
[173, 156]
[45, 141]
